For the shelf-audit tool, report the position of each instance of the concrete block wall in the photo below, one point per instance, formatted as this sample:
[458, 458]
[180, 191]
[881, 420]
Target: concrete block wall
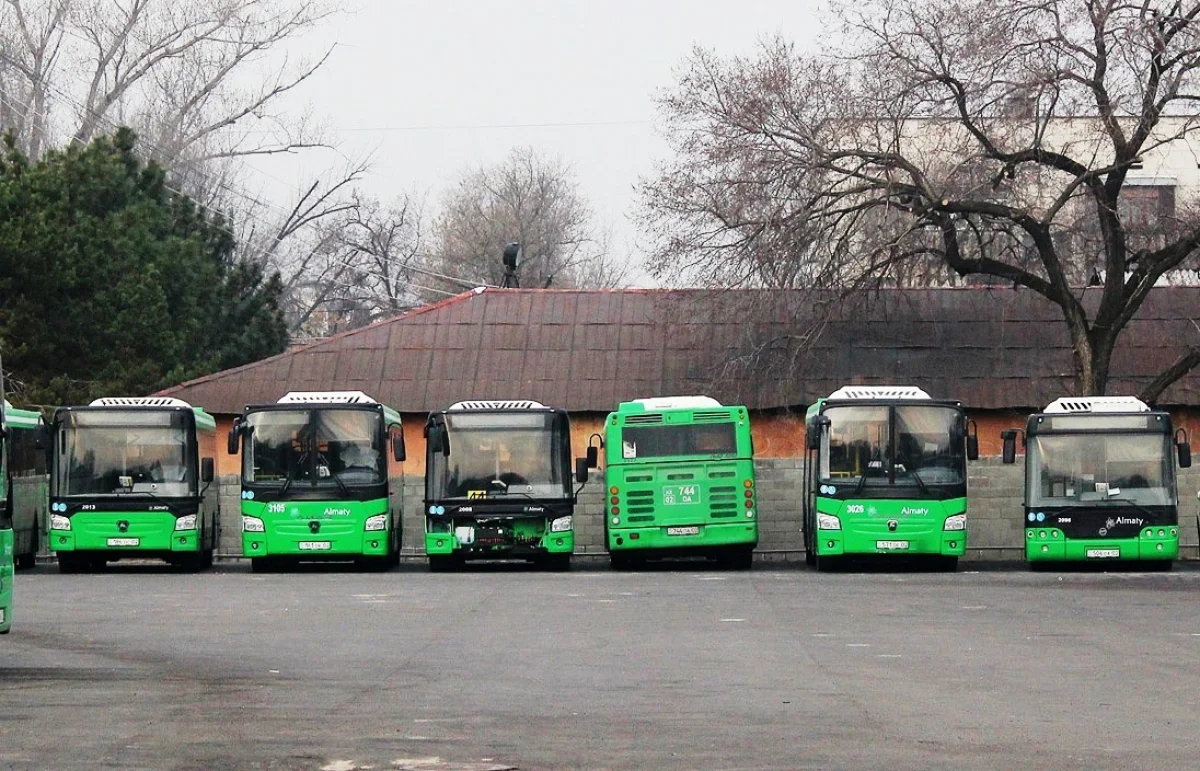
[994, 520]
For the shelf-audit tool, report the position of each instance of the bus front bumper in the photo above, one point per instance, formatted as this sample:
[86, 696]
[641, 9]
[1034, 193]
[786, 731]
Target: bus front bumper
[683, 536]
[1047, 544]
[562, 542]
[372, 543]
[947, 543]
[124, 532]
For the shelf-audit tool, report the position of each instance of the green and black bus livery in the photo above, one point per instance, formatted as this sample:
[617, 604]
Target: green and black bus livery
[498, 484]
[315, 480]
[680, 477]
[886, 474]
[131, 478]
[26, 494]
[1100, 482]
[7, 567]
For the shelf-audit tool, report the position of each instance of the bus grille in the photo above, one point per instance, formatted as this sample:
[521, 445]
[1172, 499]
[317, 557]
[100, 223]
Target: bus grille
[723, 502]
[639, 502]
[721, 474]
[649, 417]
[640, 518]
[709, 416]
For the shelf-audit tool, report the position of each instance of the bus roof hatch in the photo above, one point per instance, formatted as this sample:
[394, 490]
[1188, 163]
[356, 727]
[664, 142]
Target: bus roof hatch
[517, 404]
[879, 392]
[1079, 404]
[326, 397]
[140, 401]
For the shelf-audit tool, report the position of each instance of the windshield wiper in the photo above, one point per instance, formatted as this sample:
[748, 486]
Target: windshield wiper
[915, 474]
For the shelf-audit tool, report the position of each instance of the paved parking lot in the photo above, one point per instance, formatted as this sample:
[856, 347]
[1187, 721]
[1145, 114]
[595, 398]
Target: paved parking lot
[778, 668]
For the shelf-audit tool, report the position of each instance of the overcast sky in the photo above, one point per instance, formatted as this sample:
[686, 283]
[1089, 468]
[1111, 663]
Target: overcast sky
[430, 88]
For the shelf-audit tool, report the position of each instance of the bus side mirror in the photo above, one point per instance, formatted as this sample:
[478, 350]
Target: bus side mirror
[398, 448]
[581, 469]
[819, 425]
[1185, 454]
[1010, 445]
[972, 441]
[207, 470]
[235, 434]
[593, 456]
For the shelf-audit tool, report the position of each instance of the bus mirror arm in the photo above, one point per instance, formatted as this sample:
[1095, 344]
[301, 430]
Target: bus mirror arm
[1010, 444]
[235, 434]
[1184, 448]
[972, 441]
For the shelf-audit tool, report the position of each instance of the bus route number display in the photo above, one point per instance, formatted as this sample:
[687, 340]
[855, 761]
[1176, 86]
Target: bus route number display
[675, 495]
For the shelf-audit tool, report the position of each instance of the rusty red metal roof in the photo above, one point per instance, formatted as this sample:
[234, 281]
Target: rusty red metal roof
[586, 350]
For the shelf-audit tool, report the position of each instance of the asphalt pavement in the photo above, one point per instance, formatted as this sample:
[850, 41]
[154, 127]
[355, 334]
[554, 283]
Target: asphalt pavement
[141, 667]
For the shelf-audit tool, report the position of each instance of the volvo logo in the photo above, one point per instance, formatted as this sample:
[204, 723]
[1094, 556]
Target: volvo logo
[123, 526]
[314, 526]
[892, 525]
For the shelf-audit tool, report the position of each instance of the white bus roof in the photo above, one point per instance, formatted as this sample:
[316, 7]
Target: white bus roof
[1084, 404]
[326, 397]
[677, 402]
[139, 401]
[879, 392]
[512, 404]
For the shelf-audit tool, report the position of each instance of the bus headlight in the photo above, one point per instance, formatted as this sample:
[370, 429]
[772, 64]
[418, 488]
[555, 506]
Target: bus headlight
[828, 522]
[377, 522]
[561, 524]
[187, 522]
[59, 522]
[957, 522]
[252, 525]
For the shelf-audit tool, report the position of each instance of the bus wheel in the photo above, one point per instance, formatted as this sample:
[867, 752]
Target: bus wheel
[945, 564]
[261, 565]
[740, 558]
[443, 563]
[827, 564]
[69, 563]
[206, 558]
[25, 561]
[558, 563]
[190, 562]
[810, 557]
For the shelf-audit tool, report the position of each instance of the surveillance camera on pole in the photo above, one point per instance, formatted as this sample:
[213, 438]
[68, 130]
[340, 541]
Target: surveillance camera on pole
[512, 261]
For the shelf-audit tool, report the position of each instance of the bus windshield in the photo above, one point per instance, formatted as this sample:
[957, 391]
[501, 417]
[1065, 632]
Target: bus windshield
[1070, 469]
[113, 452]
[874, 445]
[501, 454]
[678, 440]
[314, 447]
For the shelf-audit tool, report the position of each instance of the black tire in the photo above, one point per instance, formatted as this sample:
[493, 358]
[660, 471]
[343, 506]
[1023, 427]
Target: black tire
[25, 561]
[945, 564]
[740, 558]
[443, 563]
[555, 563]
[69, 564]
[206, 559]
[262, 565]
[190, 562]
[827, 564]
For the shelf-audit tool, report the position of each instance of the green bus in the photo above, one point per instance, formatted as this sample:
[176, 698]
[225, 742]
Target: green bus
[131, 478]
[315, 481]
[498, 484]
[6, 529]
[25, 497]
[886, 474]
[1100, 482]
[680, 476]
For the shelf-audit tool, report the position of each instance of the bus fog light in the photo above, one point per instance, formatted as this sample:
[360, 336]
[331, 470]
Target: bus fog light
[561, 524]
[957, 522]
[374, 544]
[1045, 548]
[59, 522]
[828, 522]
[954, 544]
[1159, 547]
[830, 544]
[377, 522]
[187, 522]
[252, 525]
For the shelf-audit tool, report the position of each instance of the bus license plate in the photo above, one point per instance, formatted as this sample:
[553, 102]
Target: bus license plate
[891, 545]
[315, 545]
[1103, 553]
[683, 530]
[124, 541]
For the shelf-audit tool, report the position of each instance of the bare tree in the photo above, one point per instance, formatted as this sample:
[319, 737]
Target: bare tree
[941, 142]
[532, 200]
